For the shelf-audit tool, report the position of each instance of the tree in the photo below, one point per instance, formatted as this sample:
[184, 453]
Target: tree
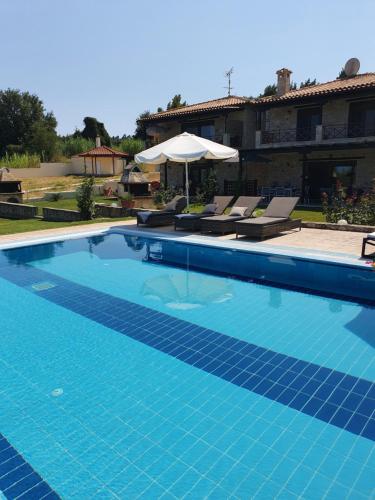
[85, 201]
[342, 74]
[93, 128]
[19, 112]
[42, 139]
[131, 145]
[269, 90]
[308, 83]
[175, 102]
[140, 130]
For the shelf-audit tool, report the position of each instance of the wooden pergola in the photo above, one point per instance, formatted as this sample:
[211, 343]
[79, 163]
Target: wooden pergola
[101, 152]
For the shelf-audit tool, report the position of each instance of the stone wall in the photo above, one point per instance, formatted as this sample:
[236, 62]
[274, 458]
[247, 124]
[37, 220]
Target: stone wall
[17, 211]
[334, 112]
[60, 215]
[102, 210]
[283, 170]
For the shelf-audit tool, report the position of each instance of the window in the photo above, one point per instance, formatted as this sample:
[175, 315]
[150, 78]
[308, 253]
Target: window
[343, 174]
[202, 129]
[361, 119]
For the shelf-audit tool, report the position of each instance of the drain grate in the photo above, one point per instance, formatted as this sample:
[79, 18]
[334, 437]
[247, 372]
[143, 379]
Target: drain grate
[44, 285]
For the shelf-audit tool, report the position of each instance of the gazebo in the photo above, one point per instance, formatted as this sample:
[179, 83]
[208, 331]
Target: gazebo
[102, 159]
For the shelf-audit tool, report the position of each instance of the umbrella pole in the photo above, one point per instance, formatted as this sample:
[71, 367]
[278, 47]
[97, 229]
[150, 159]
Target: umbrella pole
[187, 184]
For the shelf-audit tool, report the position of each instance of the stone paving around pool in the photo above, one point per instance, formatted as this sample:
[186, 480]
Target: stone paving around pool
[322, 240]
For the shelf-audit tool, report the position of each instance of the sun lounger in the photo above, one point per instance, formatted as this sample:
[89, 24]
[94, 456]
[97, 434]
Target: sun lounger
[192, 222]
[368, 240]
[164, 217]
[226, 223]
[275, 219]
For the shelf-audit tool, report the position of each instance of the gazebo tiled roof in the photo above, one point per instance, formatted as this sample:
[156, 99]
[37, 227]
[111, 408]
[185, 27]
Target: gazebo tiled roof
[103, 151]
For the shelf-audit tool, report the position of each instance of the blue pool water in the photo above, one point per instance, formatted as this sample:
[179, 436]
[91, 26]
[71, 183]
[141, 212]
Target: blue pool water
[128, 372]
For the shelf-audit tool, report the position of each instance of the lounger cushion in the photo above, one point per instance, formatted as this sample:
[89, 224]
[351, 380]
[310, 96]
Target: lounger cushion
[239, 211]
[371, 236]
[187, 216]
[210, 208]
[170, 207]
[264, 220]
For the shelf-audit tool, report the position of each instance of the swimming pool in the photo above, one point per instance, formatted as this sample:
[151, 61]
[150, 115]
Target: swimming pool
[141, 367]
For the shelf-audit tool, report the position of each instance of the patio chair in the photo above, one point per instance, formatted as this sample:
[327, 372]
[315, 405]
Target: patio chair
[164, 217]
[275, 219]
[242, 209]
[368, 240]
[192, 222]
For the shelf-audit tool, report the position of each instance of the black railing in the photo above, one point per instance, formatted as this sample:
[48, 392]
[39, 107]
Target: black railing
[347, 130]
[288, 135]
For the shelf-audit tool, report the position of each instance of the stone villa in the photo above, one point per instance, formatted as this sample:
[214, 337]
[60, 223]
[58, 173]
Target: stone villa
[306, 139]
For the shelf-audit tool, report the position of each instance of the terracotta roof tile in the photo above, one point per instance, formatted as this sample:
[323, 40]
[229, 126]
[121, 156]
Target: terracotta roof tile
[231, 102]
[366, 80]
[104, 151]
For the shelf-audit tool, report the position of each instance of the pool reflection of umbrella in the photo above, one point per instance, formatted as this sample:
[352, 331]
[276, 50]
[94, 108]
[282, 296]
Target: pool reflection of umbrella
[178, 291]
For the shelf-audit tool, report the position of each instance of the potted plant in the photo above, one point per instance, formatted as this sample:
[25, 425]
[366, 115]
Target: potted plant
[127, 200]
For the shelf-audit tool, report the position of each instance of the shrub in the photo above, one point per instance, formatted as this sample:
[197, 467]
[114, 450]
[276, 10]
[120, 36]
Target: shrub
[85, 202]
[164, 195]
[132, 146]
[56, 196]
[209, 187]
[25, 160]
[355, 209]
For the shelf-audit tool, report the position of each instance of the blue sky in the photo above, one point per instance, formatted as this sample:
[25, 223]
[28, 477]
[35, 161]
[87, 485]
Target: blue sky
[113, 59]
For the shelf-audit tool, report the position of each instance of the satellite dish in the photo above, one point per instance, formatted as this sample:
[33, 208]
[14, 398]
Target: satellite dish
[352, 67]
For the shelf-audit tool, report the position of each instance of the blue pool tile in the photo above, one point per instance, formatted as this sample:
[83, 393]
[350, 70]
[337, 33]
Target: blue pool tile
[287, 396]
[356, 424]
[313, 406]
[366, 407]
[274, 391]
[299, 401]
[326, 412]
[341, 417]
[362, 387]
[338, 396]
[287, 378]
[369, 430]
[17, 477]
[22, 486]
[352, 401]
[306, 387]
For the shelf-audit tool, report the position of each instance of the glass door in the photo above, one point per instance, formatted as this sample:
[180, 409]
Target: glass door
[307, 120]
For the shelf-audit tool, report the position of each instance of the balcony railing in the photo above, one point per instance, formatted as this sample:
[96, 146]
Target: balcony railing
[288, 135]
[347, 130]
[352, 132]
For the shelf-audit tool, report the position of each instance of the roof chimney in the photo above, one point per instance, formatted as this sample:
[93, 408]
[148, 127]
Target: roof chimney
[97, 142]
[283, 81]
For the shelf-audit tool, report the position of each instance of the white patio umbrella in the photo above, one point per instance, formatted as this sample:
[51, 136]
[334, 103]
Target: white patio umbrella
[185, 148]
